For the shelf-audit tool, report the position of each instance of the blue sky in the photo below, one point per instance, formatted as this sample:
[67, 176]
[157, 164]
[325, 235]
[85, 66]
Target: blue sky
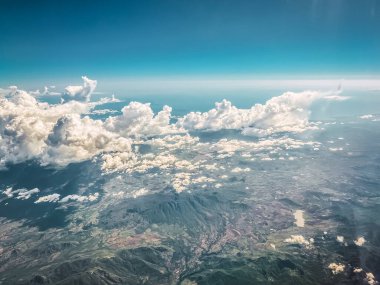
[59, 40]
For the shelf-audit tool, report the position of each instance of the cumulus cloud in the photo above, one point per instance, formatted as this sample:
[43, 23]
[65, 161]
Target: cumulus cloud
[225, 146]
[299, 239]
[24, 194]
[336, 267]
[238, 169]
[129, 162]
[53, 134]
[80, 93]
[21, 194]
[52, 198]
[80, 198]
[336, 97]
[180, 181]
[139, 192]
[173, 142]
[74, 139]
[138, 120]
[164, 154]
[59, 134]
[340, 239]
[369, 116]
[8, 192]
[286, 113]
[370, 278]
[25, 125]
[360, 241]
[334, 149]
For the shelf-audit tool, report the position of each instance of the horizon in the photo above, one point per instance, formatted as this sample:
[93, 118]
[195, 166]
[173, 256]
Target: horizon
[198, 84]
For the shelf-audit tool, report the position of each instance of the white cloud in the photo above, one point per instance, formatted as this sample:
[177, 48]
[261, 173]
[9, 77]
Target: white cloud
[8, 192]
[25, 125]
[93, 197]
[9, 91]
[80, 198]
[80, 93]
[340, 239]
[364, 117]
[224, 146]
[336, 267]
[286, 113]
[336, 98]
[59, 134]
[52, 198]
[45, 92]
[139, 192]
[53, 134]
[181, 181]
[139, 120]
[130, 162]
[76, 139]
[172, 142]
[22, 194]
[370, 278]
[238, 169]
[334, 149]
[299, 239]
[202, 179]
[164, 156]
[360, 241]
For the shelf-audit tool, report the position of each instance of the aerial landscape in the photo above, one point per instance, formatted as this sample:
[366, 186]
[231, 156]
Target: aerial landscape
[189, 142]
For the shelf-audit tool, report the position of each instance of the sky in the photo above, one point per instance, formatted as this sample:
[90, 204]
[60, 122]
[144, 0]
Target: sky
[110, 40]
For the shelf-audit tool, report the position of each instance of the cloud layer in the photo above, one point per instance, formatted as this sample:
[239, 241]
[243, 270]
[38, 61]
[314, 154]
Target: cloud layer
[59, 134]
